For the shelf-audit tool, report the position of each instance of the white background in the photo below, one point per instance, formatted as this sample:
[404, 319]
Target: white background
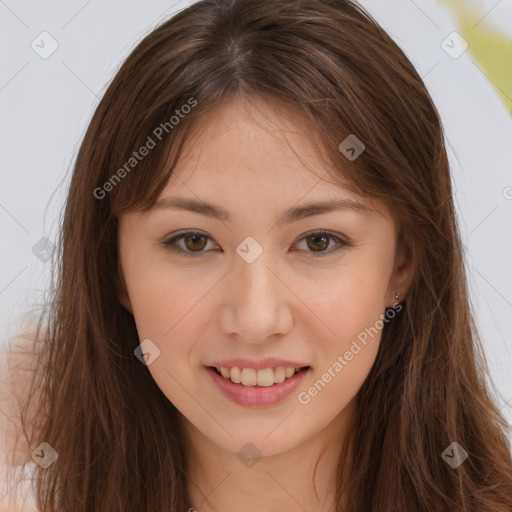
[45, 105]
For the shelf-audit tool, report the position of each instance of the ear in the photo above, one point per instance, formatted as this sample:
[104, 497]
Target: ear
[401, 278]
[122, 293]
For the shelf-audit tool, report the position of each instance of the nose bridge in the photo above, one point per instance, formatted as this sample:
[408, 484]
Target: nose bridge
[257, 282]
[257, 298]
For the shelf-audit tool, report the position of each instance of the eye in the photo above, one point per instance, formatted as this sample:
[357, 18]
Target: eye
[320, 241]
[195, 243]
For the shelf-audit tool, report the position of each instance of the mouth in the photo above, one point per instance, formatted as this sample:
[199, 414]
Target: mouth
[251, 377]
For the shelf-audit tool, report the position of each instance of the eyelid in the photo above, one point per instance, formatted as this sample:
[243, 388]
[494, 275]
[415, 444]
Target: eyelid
[341, 240]
[170, 242]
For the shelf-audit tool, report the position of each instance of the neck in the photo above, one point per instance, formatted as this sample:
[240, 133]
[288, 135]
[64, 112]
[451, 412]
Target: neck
[301, 478]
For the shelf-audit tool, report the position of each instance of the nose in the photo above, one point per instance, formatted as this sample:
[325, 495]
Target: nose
[257, 305]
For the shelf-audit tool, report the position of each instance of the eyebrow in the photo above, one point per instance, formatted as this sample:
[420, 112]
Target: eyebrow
[291, 215]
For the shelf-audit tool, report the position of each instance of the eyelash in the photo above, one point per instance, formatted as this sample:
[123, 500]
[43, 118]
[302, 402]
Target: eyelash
[171, 243]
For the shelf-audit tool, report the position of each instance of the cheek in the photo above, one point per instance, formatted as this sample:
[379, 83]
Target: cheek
[345, 355]
[167, 316]
[165, 311]
[163, 298]
[349, 314]
[355, 326]
[350, 299]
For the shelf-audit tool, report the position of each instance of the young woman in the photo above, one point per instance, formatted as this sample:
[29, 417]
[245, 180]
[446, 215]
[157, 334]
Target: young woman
[261, 301]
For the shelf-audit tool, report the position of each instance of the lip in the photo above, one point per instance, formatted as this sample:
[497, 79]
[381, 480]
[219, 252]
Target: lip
[257, 396]
[269, 362]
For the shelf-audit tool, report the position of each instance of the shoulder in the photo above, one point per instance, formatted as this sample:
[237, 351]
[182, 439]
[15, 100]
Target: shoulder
[16, 374]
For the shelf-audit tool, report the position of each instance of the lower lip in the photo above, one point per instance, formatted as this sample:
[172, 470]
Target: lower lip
[255, 396]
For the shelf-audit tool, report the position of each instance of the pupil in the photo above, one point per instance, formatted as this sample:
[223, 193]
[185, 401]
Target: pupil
[322, 237]
[194, 238]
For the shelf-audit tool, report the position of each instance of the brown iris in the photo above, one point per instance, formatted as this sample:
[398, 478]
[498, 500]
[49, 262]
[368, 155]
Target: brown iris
[320, 240]
[198, 242]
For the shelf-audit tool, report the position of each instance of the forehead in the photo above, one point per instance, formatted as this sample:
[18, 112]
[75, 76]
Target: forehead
[262, 143]
[258, 156]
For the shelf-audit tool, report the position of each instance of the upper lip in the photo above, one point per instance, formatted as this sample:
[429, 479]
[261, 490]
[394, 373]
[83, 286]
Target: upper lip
[269, 362]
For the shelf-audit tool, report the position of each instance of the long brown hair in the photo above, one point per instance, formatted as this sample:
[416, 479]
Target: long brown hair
[120, 441]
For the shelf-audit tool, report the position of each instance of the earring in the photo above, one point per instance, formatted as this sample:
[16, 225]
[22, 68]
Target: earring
[397, 295]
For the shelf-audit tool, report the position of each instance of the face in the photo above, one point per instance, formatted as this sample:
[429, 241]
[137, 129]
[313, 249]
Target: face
[306, 289]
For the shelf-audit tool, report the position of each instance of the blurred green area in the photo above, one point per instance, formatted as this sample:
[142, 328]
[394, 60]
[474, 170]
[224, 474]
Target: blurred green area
[490, 49]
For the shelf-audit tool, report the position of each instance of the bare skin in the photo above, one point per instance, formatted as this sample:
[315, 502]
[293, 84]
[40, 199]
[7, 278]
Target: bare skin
[16, 373]
[287, 303]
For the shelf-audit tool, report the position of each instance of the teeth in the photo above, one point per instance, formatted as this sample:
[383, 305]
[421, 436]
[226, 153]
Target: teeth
[251, 377]
[288, 372]
[234, 375]
[264, 377]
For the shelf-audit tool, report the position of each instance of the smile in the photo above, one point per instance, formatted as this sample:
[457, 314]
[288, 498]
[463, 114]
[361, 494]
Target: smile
[257, 388]
[251, 377]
